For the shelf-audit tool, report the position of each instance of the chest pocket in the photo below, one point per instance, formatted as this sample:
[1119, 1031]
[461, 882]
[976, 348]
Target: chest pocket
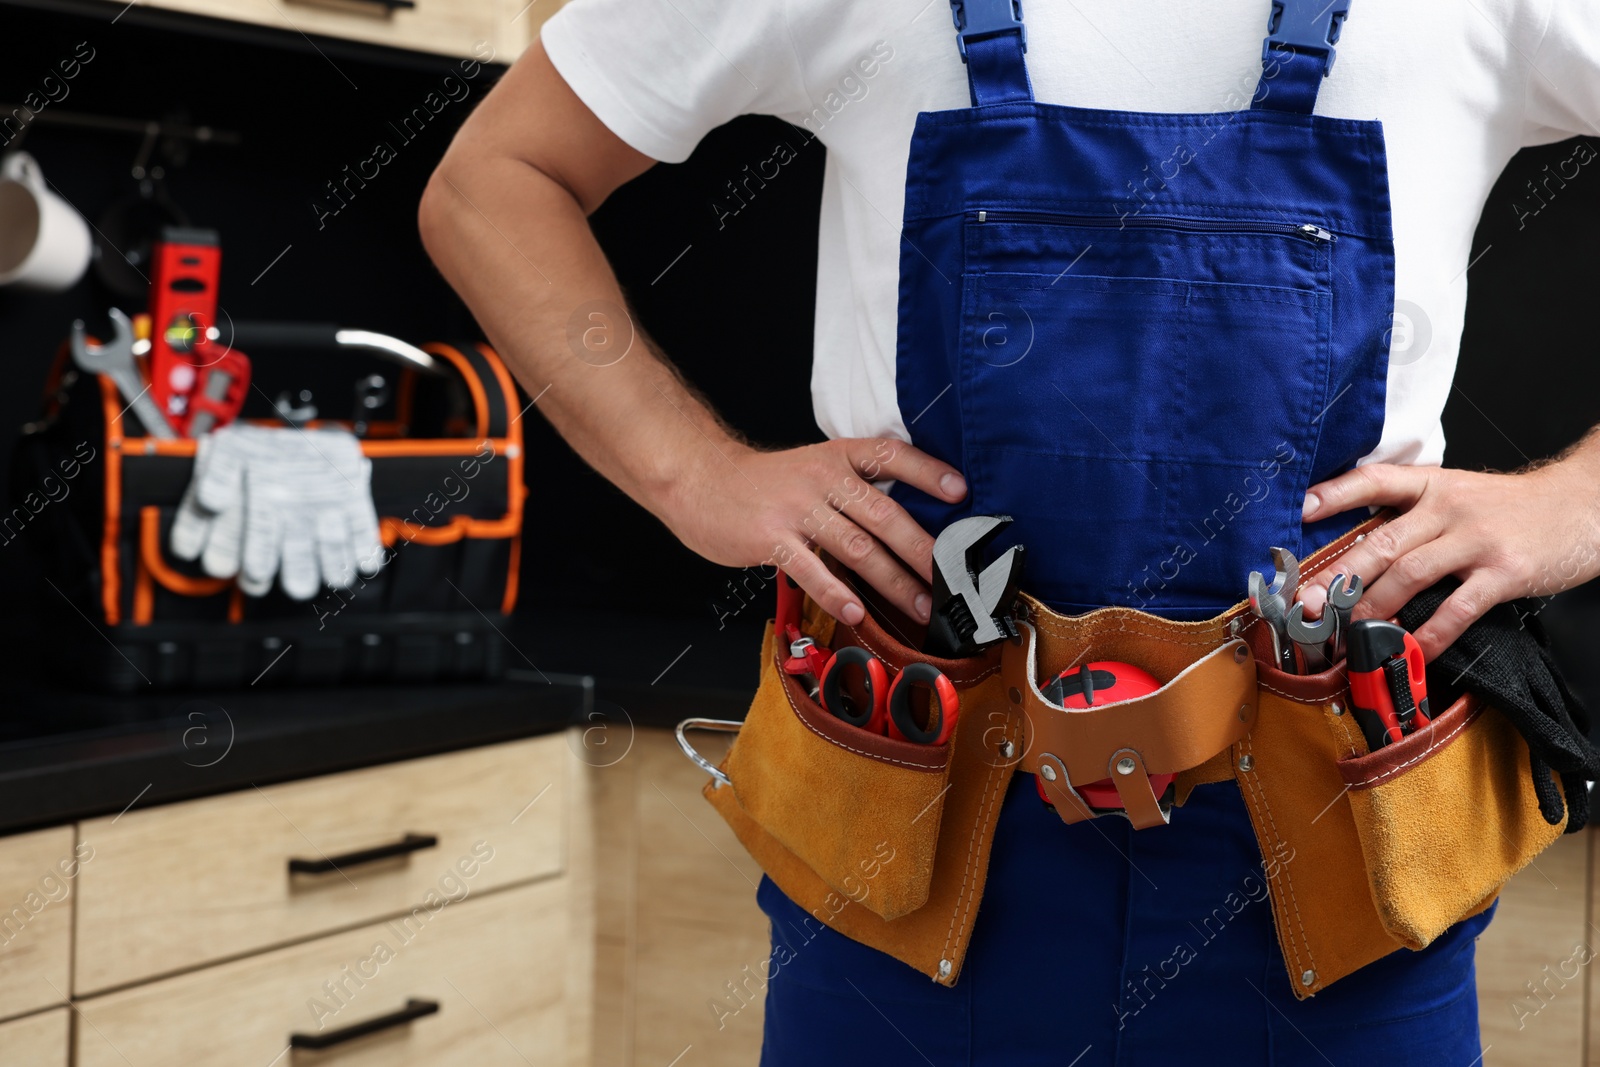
[1164, 376]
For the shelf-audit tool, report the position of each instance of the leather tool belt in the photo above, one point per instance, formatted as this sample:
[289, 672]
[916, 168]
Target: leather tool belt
[888, 842]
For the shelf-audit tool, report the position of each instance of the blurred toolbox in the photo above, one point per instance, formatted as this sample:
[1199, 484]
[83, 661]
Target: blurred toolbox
[99, 491]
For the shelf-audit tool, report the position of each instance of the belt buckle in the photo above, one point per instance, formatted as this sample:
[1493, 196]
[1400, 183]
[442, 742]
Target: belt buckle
[1307, 26]
[979, 19]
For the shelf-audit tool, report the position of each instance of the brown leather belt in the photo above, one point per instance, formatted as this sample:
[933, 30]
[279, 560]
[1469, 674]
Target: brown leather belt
[1352, 875]
[1209, 705]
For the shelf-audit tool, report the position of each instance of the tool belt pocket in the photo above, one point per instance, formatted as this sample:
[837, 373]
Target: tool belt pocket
[862, 810]
[1445, 816]
[1369, 851]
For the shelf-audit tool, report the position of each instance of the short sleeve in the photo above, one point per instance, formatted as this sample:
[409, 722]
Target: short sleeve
[661, 74]
[1563, 96]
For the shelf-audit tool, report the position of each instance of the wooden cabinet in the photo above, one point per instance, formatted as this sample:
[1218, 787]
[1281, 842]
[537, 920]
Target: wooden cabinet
[495, 968]
[430, 922]
[615, 914]
[676, 925]
[37, 876]
[175, 887]
[1532, 961]
[481, 29]
[42, 1040]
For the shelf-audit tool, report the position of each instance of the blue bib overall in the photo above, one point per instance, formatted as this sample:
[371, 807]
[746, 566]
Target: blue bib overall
[1142, 336]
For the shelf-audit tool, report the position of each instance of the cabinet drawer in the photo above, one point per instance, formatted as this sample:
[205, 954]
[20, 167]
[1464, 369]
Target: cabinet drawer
[480, 28]
[37, 876]
[37, 1040]
[495, 967]
[176, 887]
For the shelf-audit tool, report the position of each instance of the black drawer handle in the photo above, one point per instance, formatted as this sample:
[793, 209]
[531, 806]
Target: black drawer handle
[389, 6]
[408, 843]
[414, 1009]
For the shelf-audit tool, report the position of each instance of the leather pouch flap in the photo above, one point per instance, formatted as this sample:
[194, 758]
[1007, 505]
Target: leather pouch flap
[1445, 817]
[861, 810]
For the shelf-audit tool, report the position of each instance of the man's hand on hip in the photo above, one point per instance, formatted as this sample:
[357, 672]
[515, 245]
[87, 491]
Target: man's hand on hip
[780, 503]
[1505, 536]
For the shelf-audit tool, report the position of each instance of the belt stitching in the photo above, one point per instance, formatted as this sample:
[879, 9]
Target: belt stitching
[881, 655]
[848, 748]
[1344, 728]
[975, 846]
[1283, 868]
[1302, 701]
[1433, 746]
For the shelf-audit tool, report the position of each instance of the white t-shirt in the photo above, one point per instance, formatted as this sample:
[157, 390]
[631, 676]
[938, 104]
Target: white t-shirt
[1460, 86]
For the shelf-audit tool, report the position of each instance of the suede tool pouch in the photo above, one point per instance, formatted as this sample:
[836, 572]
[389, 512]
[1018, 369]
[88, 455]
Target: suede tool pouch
[860, 809]
[885, 842]
[1428, 872]
[1367, 853]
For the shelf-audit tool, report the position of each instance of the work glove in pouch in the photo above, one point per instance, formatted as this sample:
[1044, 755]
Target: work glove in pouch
[1505, 659]
[285, 503]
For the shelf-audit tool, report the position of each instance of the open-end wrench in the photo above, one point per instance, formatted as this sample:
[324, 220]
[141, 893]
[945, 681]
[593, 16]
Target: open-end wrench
[1312, 637]
[1342, 597]
[1272, 603]
[115, 360]
[971, 608]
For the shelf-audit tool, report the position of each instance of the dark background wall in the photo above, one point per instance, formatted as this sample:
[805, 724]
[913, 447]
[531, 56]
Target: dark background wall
[734, 311]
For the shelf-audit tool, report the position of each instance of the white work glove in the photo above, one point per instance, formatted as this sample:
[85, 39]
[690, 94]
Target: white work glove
[271, 502]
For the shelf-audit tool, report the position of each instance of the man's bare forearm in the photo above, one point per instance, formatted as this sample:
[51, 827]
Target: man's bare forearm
[505, 219]
[515, 243]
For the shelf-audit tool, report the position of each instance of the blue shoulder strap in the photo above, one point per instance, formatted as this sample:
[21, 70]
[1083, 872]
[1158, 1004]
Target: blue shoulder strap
[1298, 53]
[990, 36]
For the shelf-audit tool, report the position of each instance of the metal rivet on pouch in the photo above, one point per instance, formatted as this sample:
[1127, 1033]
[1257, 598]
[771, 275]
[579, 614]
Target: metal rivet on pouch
[1308, 977]
[1241, 654]
[1015, 694]
[944, 968]
[1246, 763]
[1049, 772]
[1233, 627]
[1125, 765]
[1007, 749]
[1244, 713]
[1336, 708]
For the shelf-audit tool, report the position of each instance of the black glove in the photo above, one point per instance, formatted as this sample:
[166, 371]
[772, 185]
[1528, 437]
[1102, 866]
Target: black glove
[1505, 658]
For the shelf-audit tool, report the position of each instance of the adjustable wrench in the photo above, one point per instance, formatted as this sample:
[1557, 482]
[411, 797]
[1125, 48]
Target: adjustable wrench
[1272, 603]
[1312, 637]
[971, 609]
[115, 360]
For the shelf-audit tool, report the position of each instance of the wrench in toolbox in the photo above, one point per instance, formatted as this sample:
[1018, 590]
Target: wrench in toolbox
[115, 360]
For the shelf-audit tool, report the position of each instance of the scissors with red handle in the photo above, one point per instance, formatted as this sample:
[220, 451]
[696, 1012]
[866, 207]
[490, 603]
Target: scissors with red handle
[883, 707]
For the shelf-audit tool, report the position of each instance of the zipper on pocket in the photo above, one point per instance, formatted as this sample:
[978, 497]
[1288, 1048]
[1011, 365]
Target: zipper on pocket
[1306, 231]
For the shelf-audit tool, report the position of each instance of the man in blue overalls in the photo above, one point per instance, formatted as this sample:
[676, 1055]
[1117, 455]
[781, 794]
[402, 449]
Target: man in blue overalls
[1126, 274]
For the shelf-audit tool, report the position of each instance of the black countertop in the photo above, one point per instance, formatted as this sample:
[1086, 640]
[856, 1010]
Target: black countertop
[67, 754]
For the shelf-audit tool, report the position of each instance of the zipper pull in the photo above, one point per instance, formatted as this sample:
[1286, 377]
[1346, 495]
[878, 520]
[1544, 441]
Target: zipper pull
[983, 216]
[1316, 233]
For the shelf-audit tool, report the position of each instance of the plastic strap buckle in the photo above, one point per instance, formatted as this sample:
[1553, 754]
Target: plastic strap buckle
[979, 19]
[1310, 27]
